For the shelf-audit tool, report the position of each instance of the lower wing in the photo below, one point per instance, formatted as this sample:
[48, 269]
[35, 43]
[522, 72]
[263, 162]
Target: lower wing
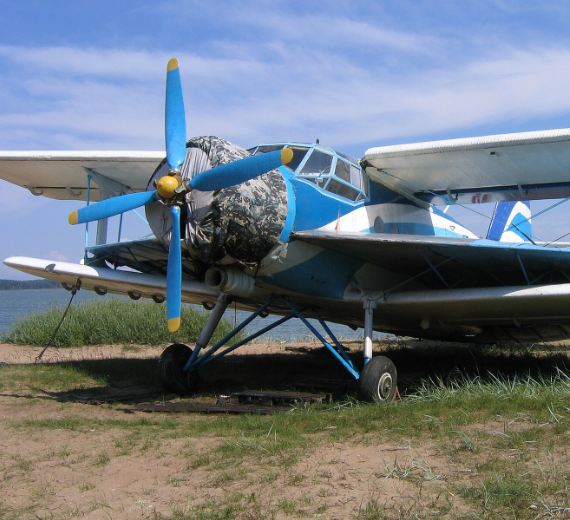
[104, 280]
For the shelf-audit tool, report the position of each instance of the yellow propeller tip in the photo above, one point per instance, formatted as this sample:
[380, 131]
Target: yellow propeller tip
[286, 155]
[173, 324]
[73, 217]
[172, 64]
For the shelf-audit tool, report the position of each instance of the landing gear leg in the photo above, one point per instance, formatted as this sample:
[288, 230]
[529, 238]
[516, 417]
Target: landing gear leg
[379, 378]
[369, 307]
[213, 320]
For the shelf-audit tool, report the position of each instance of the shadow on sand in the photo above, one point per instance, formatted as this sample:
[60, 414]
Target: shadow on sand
[130, 380]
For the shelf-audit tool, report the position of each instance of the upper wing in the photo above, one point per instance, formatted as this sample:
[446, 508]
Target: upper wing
[523, 166]
[441, 262]
[63, 175]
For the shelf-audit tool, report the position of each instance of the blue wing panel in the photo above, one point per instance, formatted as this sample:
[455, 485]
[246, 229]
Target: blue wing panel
[325, 275]
[442, 262]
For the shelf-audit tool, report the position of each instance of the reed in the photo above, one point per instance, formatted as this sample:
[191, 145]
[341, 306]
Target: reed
[107, 322]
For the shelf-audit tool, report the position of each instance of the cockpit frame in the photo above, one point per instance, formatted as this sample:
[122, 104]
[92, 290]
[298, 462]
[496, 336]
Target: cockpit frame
[335, 173]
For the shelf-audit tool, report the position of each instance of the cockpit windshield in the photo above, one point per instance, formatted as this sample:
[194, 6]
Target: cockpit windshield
[332, 171]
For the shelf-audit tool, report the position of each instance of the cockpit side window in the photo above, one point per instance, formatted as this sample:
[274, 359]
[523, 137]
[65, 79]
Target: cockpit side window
[338, 188]
[342, 170]
[358, 181]
[348, 158]
[318, 164]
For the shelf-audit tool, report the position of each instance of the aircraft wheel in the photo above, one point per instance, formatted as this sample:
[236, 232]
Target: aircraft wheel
[378, 380]
[170, 366]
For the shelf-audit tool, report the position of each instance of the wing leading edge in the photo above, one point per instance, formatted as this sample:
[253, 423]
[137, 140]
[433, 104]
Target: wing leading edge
[103, 280]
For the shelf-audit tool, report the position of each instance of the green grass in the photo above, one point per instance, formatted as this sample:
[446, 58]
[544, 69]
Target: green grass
[110, 321]
[55, 377]
[232, 507]
[510, 491]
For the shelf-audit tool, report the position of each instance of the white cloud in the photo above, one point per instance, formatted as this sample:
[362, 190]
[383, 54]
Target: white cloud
[340, 32]
[16, 202]
[71, 61]
[252, 91]
[56, 255]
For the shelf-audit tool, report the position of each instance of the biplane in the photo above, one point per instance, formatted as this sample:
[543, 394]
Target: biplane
[302, 231]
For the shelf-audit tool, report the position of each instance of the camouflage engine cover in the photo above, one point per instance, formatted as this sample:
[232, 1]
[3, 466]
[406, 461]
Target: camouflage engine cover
[241, 222]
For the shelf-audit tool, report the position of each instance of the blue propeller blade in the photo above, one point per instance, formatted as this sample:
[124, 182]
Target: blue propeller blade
[110, 207]
[175, 117]
[174, 274]
[240, 171]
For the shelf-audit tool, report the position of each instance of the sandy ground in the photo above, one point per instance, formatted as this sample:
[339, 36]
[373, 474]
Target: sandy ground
[15, 354]
[27, 354]
[83, 471]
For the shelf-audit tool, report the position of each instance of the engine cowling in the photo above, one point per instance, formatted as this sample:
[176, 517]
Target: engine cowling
[242, 222]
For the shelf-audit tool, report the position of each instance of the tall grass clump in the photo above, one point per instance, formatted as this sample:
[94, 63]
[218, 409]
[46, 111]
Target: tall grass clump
[111, 321]
[509, 391]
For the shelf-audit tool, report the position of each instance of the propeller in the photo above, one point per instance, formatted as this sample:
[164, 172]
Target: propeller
[170, 189]
[175, 134]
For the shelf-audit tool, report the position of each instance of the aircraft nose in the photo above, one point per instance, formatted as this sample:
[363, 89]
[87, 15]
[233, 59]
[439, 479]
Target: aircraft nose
[243, 222]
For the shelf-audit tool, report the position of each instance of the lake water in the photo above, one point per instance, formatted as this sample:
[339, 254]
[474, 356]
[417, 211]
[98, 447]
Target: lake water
[18, 304]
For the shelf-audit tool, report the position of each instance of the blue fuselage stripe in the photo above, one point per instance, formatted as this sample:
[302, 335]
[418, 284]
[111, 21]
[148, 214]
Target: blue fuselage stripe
[291, 204]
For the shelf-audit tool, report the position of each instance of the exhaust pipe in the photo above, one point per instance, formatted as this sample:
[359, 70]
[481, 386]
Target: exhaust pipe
[230, 281]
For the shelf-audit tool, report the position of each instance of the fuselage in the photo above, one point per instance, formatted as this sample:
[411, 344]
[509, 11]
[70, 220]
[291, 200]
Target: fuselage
[330, 192]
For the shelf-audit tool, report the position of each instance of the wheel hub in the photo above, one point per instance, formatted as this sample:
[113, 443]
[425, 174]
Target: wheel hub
[385, 386]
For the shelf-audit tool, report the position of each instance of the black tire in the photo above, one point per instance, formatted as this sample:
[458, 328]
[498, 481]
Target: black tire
[170, 373]
[378, 380]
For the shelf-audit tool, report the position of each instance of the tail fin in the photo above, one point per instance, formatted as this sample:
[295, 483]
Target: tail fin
[511, 222]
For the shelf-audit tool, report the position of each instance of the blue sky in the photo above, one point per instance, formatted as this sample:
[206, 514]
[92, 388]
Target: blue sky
[89, 75]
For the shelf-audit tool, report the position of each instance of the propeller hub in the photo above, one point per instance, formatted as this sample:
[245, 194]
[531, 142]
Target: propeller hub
[166, 186]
